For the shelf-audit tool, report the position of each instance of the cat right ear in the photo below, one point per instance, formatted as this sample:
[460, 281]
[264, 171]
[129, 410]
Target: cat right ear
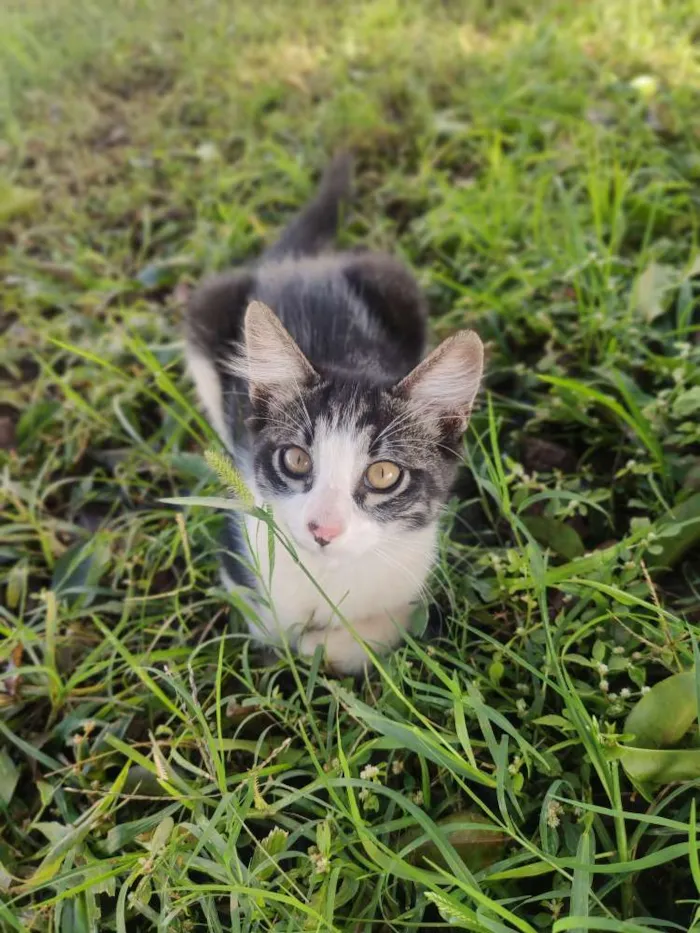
[445, 384]
[273, 362]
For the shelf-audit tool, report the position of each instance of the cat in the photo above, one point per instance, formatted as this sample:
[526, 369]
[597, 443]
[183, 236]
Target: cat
[310, 366]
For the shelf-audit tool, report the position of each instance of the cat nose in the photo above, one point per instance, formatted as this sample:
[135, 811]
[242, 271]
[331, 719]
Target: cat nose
[324, 534]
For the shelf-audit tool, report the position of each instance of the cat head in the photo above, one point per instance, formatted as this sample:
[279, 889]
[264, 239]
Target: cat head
[345, 464]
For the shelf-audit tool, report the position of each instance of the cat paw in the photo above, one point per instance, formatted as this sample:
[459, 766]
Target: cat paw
[310, 640]
[343, 653]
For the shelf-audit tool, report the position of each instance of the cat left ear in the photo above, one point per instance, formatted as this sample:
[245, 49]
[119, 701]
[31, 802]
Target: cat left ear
[445, 384]
[273, 361]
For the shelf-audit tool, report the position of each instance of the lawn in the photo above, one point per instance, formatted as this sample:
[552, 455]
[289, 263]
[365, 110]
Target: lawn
[538, 166]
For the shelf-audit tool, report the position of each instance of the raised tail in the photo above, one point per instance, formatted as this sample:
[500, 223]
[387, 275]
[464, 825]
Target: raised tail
[316, 224]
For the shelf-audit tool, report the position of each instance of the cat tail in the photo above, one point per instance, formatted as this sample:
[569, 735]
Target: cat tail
[316, 224]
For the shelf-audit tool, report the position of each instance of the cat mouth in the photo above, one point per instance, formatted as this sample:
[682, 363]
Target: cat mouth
[329, 555]
[325, 552]
[310, 547]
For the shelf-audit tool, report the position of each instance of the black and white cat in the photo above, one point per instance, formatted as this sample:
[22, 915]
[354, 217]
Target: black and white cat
[310, 367]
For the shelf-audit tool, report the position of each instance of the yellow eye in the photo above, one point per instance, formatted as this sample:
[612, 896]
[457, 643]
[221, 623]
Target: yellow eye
[383, 475]
[296, 461]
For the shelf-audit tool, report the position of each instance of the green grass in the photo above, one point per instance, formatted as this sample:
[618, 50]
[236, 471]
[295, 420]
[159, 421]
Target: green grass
[154, 773]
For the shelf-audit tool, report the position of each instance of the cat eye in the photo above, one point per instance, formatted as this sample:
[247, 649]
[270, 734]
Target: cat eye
[295, 461]
[383, 475]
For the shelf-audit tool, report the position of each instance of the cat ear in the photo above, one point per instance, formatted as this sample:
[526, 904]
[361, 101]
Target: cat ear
[273, 361]
[445, 384]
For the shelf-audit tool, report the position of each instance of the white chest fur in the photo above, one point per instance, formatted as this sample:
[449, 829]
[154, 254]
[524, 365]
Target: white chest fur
[361, 588]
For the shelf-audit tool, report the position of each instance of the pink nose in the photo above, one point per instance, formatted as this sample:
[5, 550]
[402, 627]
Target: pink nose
[324, 534]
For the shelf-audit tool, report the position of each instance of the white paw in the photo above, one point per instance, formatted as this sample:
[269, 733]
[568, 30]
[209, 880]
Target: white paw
[343, 653]
[310, 640]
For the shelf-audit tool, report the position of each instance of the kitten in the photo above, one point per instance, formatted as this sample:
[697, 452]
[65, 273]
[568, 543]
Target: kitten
[308, 365]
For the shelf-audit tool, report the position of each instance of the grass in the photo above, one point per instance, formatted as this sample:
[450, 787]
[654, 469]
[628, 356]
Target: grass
[537, 165]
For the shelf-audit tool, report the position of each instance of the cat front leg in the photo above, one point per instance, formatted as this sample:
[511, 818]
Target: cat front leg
[344, 651]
